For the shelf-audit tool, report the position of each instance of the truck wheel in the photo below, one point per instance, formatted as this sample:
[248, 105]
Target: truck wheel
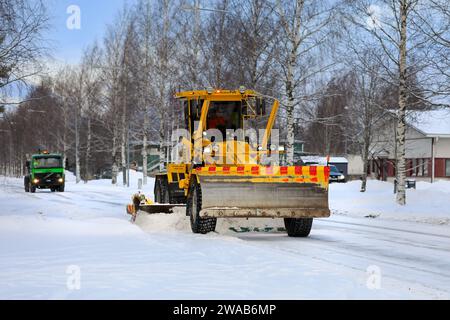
[32, 189]
[52, 189]
[298, 227]
[193, 207]
[26, 182]
[60, 189]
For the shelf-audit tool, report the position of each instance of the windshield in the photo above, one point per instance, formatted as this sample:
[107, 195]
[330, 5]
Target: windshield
[224, 115]
[333, 169]
[47, 162]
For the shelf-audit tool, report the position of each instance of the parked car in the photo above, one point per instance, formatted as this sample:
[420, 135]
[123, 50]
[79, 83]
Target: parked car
[336, 175]
[103, 174]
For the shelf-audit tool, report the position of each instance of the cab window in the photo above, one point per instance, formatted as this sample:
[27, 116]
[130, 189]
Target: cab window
[47, 162]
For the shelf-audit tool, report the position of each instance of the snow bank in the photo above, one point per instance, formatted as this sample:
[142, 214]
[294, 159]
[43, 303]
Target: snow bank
[429, 203]
[69, 176]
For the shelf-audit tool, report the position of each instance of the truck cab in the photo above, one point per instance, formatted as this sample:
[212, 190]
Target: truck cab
[45, 171]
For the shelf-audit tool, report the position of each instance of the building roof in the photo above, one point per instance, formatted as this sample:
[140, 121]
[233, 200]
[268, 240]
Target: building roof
[432, 123]
[323, 160]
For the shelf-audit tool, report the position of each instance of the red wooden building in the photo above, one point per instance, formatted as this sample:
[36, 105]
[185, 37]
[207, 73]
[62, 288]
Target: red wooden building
[427, 147]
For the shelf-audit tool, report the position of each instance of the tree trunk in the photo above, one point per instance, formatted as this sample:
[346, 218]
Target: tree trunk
[162, 128]
[402, 100]
[114, 168]
[88, 150]
[123, 159]
[144, 148]
[365, 159]
[65, 146]
[77, 150]
[290, 113]
[162, 154]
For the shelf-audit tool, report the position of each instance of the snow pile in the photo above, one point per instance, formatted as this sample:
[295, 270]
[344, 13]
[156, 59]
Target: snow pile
[429, 203]
[178, 221]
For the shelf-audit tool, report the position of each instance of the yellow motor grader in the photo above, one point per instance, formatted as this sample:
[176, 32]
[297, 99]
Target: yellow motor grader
[221, 170]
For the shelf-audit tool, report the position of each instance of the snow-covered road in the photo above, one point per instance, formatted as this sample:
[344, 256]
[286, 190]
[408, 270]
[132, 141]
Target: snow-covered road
[48, 239]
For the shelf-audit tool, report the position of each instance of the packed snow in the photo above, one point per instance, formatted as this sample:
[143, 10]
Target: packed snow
[80, 244]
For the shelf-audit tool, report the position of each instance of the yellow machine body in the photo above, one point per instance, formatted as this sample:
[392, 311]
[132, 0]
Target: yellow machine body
[237, 185]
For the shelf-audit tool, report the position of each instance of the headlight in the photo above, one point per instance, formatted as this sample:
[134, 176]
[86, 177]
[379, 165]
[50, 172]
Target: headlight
[280, 148]
[60, 180]
[341, 177]
[207, 150]
[35, 180]
[273, 147]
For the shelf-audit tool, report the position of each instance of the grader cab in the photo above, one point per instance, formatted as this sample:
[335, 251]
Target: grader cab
[227, 164]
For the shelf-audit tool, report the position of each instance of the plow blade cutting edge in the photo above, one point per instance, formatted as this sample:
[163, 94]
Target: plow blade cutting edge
[282, 192]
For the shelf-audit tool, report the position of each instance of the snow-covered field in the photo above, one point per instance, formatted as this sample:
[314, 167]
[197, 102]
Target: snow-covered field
[80, 245]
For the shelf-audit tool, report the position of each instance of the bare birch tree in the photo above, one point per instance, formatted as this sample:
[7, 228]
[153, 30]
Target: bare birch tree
[304, 30]
[22, 46]
[395, 29]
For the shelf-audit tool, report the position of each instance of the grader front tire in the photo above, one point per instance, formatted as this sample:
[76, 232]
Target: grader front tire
[194, 204]
[298, 227]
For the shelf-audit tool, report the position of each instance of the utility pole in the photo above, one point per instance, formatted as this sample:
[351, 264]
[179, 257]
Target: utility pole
[433, 141]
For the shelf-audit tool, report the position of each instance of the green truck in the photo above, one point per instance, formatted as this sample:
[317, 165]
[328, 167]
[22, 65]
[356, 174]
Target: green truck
[45, 171]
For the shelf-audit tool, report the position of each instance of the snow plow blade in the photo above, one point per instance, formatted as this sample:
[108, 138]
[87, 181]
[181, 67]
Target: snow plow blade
[143, 204]
[258, 191]
[153, 208]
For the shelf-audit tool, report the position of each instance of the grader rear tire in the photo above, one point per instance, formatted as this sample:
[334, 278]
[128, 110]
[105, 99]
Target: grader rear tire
[165, 193]
[193, 207]
[162, 192]
[298, 227]
[158, 192]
